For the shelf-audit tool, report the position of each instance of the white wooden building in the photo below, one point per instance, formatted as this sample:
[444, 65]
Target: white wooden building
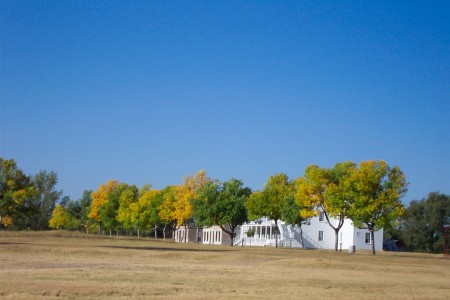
[213, 235]
[317, 234]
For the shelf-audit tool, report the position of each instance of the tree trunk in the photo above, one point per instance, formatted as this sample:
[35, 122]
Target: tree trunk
[164, 231]
[229, 232]
[336, 239]
[155, 231]
[232, 236]
[301, 237]
[373, 240]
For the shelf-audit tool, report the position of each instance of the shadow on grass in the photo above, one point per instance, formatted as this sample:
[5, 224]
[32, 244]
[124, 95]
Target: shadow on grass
[165, 249]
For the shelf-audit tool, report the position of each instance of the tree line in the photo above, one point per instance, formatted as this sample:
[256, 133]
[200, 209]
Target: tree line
[26, 202]
[368, 193]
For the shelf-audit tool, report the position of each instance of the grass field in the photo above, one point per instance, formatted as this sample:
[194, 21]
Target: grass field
[54, 265]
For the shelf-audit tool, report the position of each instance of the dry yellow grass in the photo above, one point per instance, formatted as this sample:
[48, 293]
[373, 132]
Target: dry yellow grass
[58, 264]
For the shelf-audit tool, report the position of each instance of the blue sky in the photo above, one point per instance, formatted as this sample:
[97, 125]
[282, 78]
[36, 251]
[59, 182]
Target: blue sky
[151, 91]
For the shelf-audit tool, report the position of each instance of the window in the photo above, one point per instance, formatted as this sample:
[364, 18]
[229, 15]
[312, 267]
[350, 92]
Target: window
[320, 236]
[321, 216]
[367, 239]
[359, 234]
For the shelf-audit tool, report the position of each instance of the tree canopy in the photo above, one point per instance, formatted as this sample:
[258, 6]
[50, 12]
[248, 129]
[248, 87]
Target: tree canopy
[271, 200]
[375, 191]
[222, 204]
[15, 187]
[324, 190]
[421, 227]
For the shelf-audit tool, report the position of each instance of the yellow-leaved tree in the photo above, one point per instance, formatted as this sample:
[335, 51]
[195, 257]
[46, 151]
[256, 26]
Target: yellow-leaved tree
[375, 190]
[60, 218]
[143, 212]
[166, 207]
[127, 199]
[176, 207]
[182, 205]
[100, 197]
[324, 190]
[186, 193]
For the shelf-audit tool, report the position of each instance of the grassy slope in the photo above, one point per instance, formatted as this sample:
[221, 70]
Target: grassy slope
[58, 264]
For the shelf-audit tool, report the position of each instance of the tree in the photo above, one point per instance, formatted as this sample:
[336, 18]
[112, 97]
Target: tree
[184, 194]
[109, 210]
[60, 218]
[15, 187]
[37, 209]
[166, 210]
[421, 227]
[223, 205]
[270, 202]
[196, 182]
[232, 206]
[291, 215]
[125, 216]
[375, 190]
[176, 209]
[78, 211]
[100, 198]
[145, 211]
[182, 207]
[323, 190]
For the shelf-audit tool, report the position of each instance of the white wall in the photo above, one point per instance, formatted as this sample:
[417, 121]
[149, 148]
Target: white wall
[212, 235]
[360, 239]
[311, 234]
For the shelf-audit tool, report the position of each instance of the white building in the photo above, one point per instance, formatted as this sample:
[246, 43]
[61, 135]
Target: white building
[213, 235]
[317, 234]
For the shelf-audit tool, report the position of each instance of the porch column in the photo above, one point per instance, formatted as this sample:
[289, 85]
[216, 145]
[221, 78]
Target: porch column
[260, 233]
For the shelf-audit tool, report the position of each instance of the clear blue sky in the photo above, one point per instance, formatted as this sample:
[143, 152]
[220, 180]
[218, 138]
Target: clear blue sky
[151, 91]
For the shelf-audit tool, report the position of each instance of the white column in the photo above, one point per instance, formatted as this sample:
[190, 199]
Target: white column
[260, 233]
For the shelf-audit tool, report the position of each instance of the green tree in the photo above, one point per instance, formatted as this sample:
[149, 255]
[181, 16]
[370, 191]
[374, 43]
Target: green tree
[37, 209]
[291, 215]
[15, 187]
[78, 211]
[375, 190]
[421, 228]
[323, 190]
[271, 200]
[108, 211]
[223, 205]
[145, 210]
